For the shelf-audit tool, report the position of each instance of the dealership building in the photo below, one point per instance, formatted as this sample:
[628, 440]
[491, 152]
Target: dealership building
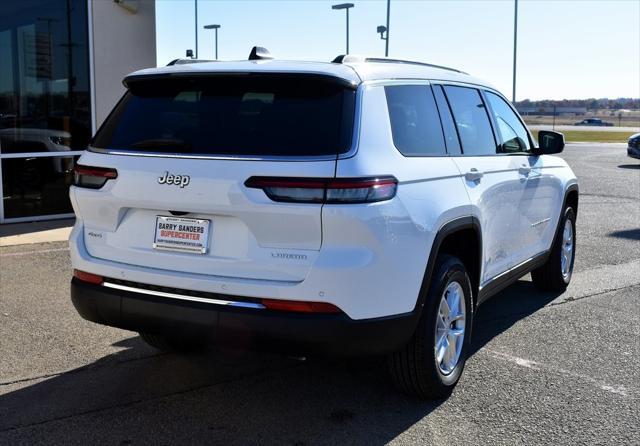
[61, 66]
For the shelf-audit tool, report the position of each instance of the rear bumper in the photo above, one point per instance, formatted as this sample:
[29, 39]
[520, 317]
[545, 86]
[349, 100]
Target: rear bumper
[332, 334]
[633, 152]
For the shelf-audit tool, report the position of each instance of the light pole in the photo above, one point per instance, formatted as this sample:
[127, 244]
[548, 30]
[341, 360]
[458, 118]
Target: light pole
[214, 27]
[345, 6]
[196, 16]
[386, 47]
[515, 48]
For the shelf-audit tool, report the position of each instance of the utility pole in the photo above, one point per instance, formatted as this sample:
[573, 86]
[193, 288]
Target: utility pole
[515, 48]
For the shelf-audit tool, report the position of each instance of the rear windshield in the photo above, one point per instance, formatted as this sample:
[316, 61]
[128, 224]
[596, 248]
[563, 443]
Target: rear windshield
[250, 114]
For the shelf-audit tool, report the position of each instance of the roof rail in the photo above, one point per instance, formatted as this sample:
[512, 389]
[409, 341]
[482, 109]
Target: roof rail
[347, 58]
[187, 61]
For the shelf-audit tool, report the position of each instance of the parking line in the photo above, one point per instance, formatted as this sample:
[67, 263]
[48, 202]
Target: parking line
[527, 363]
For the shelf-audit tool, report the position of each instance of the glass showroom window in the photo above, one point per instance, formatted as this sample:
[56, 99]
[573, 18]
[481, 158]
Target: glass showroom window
[45, 107]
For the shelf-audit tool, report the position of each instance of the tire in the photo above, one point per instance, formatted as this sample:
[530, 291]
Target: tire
[551, 276]
[414, 369]
[177, 344]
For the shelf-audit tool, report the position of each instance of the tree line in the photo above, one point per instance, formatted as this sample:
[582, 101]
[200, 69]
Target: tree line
[590, 104]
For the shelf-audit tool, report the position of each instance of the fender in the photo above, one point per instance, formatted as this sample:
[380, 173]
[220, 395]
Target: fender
[452, 226]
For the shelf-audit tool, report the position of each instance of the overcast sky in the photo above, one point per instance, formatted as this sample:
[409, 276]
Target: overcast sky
[566, 48]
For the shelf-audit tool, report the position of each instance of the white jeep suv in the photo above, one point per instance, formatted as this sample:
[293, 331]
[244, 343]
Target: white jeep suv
[363, 206]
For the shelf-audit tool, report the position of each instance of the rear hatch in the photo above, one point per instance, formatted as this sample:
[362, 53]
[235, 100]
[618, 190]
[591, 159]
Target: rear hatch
[182, 148]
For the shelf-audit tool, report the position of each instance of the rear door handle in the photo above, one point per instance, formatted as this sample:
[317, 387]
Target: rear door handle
[473, 175]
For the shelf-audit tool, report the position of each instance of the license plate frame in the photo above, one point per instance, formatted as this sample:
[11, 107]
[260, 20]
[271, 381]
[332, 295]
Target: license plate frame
[182, 234]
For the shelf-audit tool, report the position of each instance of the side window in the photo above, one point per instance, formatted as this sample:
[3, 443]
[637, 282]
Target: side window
[448, 126]
[513, 133]
[472, 121]
[415, 123]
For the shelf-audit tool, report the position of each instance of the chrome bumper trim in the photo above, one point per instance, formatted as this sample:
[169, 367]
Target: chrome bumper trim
[231, 303]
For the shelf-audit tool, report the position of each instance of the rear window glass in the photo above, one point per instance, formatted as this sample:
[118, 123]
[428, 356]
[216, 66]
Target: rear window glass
[262, 115]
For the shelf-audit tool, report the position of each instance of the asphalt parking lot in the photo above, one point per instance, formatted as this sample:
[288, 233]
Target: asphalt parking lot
[545, 368]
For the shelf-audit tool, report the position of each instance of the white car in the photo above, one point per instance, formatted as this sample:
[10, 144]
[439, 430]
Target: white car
[363, 206]
[35, 140]
[24, 139]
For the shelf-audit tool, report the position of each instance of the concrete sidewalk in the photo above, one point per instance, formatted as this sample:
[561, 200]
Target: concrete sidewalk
[35, 232]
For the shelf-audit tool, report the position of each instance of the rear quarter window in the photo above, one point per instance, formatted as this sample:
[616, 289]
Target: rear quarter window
[249, 114]
[415, 123]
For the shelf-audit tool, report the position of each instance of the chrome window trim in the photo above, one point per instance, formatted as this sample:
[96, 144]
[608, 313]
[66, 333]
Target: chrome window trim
[230, 303]
[390, 82]
[40, 154]
[211, 157]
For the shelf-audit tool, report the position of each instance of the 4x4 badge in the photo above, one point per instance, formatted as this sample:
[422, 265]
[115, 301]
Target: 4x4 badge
[178, 180]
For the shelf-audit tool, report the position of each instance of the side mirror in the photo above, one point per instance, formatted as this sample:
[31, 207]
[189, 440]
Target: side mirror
[550, 142]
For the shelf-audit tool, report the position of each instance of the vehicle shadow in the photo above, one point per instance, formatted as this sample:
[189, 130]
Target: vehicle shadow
[631, 234]
[232, 396]
[629, 166]
[503, 310]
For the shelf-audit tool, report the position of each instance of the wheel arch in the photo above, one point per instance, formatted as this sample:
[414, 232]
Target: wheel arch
[461, 237]
[571, 197]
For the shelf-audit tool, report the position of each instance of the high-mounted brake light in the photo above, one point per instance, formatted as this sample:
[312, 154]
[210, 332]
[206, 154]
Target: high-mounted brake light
[88, 277]
[326, 190]
[299, 306]
[92, 177]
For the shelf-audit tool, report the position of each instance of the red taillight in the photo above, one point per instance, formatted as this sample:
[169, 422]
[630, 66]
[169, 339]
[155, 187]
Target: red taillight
[92, 177]
[299, 306]
[326, 190]
[88, 277]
